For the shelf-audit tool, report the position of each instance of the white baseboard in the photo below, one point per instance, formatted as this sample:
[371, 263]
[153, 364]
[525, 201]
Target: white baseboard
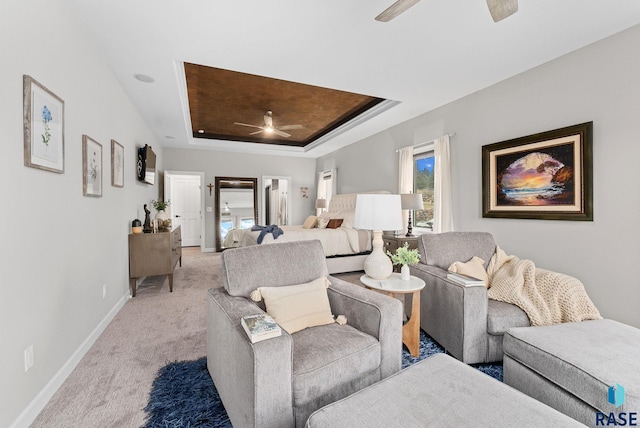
[36, 405]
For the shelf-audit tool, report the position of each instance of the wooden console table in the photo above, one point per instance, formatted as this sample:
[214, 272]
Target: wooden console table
[154, 254]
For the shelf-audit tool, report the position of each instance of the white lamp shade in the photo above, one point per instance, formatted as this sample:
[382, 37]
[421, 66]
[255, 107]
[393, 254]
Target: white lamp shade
[411, 201]
[321, 203]
[378, 212]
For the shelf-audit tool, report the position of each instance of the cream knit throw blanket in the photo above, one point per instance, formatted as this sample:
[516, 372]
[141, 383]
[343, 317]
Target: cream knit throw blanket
[546, 297]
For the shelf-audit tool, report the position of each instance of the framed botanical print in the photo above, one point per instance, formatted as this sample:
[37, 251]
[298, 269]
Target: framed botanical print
[43, 123]
[91, 167]
[117, 164]
[543, 176]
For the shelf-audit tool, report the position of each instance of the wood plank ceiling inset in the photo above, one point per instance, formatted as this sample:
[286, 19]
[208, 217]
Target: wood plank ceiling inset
[218, 98]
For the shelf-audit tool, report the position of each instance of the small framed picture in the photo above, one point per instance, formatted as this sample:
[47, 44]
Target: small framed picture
[544, 176]
[43, 122]
[117, 164]
[91, 167]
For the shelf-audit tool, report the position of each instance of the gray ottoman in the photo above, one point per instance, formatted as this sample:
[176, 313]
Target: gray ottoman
[439, 391]
[571, 366]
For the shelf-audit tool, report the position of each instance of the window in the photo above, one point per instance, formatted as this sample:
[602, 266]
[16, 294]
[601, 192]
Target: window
[423, 178]
[246, 223]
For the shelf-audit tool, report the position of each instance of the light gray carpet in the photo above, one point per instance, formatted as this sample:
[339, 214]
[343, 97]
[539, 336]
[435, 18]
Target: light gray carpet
[110, 386]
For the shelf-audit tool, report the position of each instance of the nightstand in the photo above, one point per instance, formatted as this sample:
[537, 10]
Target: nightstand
[392, 242]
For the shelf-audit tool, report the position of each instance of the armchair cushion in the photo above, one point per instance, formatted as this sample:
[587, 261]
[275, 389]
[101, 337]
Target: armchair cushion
[328, 356]
[296, 307]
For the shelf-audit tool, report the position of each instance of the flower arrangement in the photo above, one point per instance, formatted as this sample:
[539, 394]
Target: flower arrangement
[404, 256]
[160, 205]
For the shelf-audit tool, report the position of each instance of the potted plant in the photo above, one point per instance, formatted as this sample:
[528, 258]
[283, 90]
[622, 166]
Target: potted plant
[405, 257]
[161, 206]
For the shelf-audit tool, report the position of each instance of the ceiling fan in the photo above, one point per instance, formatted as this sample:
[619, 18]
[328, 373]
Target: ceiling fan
[268, 127]
[499, 9]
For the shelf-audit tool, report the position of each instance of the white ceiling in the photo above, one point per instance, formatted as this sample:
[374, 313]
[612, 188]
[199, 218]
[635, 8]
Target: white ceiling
[434, 53]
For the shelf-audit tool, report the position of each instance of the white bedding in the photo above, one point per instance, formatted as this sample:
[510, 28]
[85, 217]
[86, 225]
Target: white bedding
[340, 241]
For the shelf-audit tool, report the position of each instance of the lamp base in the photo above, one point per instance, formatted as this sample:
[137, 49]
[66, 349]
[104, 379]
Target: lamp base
[378, 265]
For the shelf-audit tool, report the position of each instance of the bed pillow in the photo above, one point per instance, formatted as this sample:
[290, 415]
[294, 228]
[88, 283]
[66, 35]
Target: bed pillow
[348, 217]
[296, 307]
[310, 222]
[334, 223]
[473, 267]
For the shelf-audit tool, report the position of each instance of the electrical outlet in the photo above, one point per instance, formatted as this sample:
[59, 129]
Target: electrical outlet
[28, 358]
[104, 291]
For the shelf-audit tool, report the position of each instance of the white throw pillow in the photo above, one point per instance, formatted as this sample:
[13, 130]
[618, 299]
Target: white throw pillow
[296, 307]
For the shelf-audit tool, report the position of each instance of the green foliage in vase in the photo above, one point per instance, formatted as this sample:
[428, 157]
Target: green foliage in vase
[160, 205]
[404, 256]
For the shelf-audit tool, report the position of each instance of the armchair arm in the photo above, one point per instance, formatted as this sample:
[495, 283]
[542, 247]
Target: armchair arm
[452, 314]
[254, 380]
[372, 313]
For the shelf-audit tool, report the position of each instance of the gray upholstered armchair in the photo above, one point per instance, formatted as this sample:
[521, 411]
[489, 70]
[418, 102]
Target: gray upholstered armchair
[463, 320]
[279, 382]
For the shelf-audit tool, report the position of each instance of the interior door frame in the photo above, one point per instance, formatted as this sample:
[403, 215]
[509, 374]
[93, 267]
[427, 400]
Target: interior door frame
[168, 194]
[263, 210]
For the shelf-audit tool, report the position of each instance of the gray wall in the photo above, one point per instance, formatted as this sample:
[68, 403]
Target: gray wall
[59, 247]
[599, 83]
[227, 164]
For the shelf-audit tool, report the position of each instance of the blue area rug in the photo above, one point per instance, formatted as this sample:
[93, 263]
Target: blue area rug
[183, 394]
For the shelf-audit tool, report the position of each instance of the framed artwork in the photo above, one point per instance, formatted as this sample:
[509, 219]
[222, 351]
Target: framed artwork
[91, 167]
[43, 122]
[543, 176]
[117, 164]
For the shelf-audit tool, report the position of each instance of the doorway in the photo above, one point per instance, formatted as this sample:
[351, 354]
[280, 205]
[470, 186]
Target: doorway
[184, 190]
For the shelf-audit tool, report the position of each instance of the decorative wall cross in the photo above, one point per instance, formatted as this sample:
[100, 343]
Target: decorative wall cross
[210, 186]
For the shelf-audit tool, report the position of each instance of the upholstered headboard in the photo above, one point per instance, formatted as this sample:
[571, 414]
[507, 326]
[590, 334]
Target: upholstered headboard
[346, 202]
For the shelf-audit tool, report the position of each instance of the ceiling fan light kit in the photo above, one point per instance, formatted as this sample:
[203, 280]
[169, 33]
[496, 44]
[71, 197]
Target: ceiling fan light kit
[268, 127]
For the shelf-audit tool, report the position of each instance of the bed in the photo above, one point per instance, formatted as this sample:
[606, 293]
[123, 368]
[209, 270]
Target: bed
[345, 247]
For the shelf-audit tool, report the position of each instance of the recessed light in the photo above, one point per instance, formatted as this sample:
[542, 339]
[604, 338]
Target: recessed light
[144, 78]
[200, 131]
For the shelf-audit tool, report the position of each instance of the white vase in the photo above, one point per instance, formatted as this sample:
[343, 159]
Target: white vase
[161, 215]
[405, 273]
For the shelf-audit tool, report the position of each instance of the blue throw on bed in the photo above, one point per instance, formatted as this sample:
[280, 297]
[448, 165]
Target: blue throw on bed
[273, 229]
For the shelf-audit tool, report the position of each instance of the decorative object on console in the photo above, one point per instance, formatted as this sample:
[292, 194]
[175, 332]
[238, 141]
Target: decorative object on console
[378, 212]
[147, 228]
[543, 176]
[43, 123]
[136, 226]
[91, 167]
[405, 257]
[410, 202]
[321, 204]
[160, 207]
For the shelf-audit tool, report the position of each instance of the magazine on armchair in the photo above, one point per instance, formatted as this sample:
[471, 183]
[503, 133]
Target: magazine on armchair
[260, 327]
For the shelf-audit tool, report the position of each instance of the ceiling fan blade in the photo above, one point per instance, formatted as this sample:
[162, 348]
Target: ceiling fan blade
[280, 133]
[246, 124]
[287, 127]
[395, 9]
[257, 132]
[501, 9]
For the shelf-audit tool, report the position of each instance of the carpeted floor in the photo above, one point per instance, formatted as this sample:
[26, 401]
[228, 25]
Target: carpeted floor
[184, 395]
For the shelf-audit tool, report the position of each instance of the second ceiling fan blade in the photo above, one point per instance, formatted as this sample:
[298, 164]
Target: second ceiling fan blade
[246, 124]
[501, 9]
[287, 127]
[395, 9]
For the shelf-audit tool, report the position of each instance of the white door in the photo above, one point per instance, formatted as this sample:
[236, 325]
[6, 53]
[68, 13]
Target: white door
[186, 211]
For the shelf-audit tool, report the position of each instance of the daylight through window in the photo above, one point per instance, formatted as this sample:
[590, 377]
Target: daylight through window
[423, 178]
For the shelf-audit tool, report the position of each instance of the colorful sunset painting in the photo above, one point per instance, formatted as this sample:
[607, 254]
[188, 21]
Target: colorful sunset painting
[541, 177]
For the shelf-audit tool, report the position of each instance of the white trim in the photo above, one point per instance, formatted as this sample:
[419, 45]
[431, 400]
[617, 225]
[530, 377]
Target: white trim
[31, 412]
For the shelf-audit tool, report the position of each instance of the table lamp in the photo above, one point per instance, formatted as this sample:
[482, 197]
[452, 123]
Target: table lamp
[378, 212]
[411, 201]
